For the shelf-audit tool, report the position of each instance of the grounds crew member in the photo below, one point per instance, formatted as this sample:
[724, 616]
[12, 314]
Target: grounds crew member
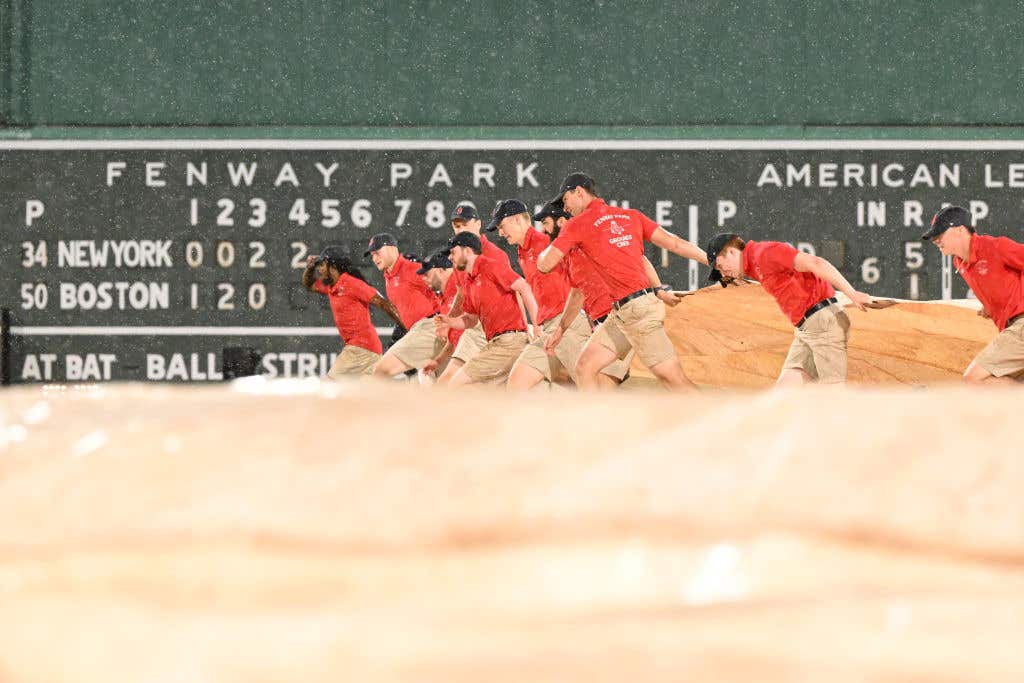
[588, 293]
[513, 222]
[416, 305]
[491, 296]
[613, 238]
[333, 275]
[464, 218]
[437, 271]
[804, 286]
[993, 267]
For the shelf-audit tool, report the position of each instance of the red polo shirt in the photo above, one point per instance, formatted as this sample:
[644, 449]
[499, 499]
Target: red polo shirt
[583, 276]
[409, 293]
[994, 271]
[550, 289]
[771, 264]
[350, 302]
[491, 251]
[489, 295]
[613, 238]
[447, 298]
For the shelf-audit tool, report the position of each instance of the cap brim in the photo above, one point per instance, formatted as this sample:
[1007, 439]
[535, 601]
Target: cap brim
[933, 233]
[367, 252]
[493, 225]
[714, 276]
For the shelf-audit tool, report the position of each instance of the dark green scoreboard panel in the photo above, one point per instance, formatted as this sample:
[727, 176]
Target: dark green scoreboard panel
[136, 260]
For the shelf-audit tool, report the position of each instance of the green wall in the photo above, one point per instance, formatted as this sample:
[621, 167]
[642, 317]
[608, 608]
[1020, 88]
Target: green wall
[418, 63]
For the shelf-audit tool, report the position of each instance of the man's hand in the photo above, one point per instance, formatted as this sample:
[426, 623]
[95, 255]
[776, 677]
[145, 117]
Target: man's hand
[983, 312]
[312, 260]
[441, 326]
[860, 299]
[430, 367]
[552, 341]
[669, 298]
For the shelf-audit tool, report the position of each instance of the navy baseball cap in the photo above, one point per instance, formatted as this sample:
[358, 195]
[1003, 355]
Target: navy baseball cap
[949, 217]
[439, 259]
[335, 256]
[380, 240]
[465, 239]
[549, 210]
[464, 212]
[504, 209]
[571, 182]
[715, 245]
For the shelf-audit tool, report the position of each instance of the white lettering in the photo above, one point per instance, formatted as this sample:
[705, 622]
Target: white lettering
[400, 171]
[33, 209]
[524, 174]
[663, 213]
[483, 172]
[769, 176]
[440, 175]
[326, 172]
[242, 173]
[153, 169]
[726, 210]
[286, 175]
[195, 175]
[114, 170]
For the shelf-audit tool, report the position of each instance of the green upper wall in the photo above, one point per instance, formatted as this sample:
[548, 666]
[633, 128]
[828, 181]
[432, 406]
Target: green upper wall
[339, 64]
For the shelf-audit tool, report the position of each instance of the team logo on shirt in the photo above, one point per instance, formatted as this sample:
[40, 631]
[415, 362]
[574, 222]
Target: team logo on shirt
[616, 228]
[982, 267]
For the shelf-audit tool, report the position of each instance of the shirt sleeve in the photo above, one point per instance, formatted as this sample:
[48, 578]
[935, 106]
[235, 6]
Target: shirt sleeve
[503, 275]
[570, 237]
[647, 226]
[778, 257]
[361, 291]
[1011, 252]
[320, 287]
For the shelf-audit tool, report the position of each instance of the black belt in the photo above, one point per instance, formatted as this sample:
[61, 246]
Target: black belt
[594, 322]
[1014, 319]
[504, 332]
[635, 295]
[824, 303]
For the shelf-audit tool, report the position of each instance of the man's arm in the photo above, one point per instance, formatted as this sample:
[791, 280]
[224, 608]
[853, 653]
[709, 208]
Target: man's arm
[309, 274]
[460, 322]
[388, 308]
[805, 263]
[434, 363]
[549, 258]
[663, 292]
[522, 288]
[678, 246]
[573, 304]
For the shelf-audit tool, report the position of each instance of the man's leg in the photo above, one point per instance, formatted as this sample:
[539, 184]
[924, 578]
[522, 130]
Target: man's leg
[1000, 363]
[389, 366]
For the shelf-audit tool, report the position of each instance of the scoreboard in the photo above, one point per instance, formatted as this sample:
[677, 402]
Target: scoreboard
[143, 260]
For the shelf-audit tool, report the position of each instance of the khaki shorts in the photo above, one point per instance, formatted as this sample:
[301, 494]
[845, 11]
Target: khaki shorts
[613, 340]
[819, 349]
[566, 353]
[495, 360]
[470, 343]
[639, 326]
[1004, 355]
[353, 360]
[419, 344]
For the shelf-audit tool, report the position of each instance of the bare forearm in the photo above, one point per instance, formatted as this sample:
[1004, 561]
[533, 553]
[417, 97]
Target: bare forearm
[388, 308]
[548, 259]
[573, 304]
[826, 271]
[463, 322]
[678, 246]
[309, 277]
[652, 274]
